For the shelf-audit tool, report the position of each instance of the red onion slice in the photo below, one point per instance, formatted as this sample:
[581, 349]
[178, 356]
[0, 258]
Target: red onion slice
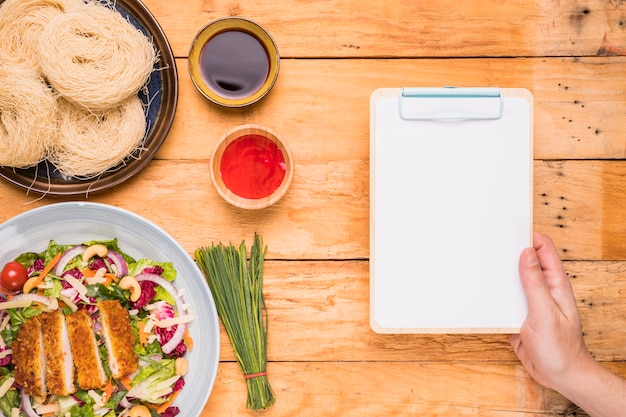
[67, 256]
[178, 335]
[121, 268]
[27, 408]
[125, 403]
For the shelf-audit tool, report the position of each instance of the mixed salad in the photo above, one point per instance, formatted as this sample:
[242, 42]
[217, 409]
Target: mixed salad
[81, 278]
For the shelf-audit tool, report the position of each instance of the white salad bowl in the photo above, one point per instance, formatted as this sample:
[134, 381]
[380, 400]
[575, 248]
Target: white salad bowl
[77, 222]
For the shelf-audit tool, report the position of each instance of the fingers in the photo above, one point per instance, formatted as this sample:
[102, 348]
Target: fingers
[544, 280]
[538, 296]
[555, 277]
[548, 256]
[516, 341]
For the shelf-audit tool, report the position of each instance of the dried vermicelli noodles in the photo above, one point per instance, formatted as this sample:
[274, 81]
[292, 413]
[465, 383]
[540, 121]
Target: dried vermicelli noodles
[94, 57]
[28, 118]
[91, 143]
[21, 24]
[70, 74]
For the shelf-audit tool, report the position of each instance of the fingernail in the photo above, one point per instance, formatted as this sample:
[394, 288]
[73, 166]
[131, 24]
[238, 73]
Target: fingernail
[531, 257]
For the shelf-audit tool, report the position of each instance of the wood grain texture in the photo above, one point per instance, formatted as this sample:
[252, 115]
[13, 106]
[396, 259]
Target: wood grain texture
[332, 299]
[580, 105]
[325, 360]
[574, 200]
[394, 389]
[325, 213]
[431, 28]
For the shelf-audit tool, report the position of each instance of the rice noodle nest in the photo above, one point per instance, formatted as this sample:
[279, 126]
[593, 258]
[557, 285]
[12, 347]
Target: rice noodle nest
[28, 118]
[21, 24]
[94, 57]
[91, 143]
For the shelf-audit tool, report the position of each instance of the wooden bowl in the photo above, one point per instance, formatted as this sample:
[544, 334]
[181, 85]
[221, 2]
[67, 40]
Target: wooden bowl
[251, 167]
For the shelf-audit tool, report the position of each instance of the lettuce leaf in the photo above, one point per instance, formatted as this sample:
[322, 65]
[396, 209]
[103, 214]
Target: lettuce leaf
[55, 291]
[10, 400]
[152, 373]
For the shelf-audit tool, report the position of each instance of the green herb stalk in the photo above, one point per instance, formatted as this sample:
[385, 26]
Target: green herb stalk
[237, 289]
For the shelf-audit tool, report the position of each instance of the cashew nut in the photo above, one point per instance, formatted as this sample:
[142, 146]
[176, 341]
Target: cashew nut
[139, 411]
[131, 284]
[97, 249]
[181, 366]
[29, 285]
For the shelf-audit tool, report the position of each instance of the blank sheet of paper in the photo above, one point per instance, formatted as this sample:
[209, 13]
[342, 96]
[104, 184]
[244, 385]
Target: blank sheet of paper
[451, 209]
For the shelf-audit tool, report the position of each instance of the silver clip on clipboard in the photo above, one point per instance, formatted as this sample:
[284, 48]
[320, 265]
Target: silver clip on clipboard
[450, 208]
[451, 103]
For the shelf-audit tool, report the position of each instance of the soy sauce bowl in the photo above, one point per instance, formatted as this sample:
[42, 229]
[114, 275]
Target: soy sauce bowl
[251, 167]
[233, 62]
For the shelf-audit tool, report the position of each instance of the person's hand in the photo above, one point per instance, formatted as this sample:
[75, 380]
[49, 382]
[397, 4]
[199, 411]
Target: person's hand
[550, 343]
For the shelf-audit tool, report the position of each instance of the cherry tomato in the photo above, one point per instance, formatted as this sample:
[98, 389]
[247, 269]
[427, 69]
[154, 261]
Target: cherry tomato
[13, 276]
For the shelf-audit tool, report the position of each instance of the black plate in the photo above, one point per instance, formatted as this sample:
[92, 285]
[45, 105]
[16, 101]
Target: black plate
[161, 100]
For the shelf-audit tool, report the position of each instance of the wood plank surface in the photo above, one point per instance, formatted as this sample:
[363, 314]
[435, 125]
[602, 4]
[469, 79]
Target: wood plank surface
[333, 301]
[394, 389]
[574, 200]
[335, 365]
[580, 104]
[325, 214]
[323, 357]
[430, 28]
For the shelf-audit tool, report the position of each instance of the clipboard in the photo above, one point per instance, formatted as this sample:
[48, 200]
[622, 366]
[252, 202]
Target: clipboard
[450, 208]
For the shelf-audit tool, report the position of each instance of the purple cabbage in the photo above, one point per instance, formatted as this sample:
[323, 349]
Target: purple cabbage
[154, 269]
[98, 263]
[171, 412]
[165, 311]
[6, 361]
[38, 265]
[147, 293]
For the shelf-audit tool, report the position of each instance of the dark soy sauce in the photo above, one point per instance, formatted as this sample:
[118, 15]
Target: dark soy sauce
[234, 64]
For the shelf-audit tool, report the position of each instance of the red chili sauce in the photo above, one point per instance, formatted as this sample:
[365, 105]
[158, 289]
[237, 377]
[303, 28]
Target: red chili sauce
[252, 166]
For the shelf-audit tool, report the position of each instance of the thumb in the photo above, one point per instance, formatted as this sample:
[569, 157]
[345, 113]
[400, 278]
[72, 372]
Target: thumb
[535, 286]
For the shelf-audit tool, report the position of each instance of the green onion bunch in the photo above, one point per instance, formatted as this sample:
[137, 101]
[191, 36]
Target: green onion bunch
[237, 288]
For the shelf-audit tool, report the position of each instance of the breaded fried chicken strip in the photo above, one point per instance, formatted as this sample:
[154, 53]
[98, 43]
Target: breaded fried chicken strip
[119, 338]
[85, 351]
[56, 344]
[29, 359]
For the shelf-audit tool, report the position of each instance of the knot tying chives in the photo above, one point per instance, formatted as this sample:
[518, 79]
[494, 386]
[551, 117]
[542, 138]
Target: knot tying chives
[258, 374]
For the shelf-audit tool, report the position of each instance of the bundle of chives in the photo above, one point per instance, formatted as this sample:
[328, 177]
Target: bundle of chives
[237, 289]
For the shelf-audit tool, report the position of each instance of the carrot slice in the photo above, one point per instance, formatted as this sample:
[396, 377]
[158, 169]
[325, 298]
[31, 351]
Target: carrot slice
[143, 335]
[108, 391]
[126, 381]
[161, 409]
[188, 339]
[88, 272]
[46, 270]
[110, 278]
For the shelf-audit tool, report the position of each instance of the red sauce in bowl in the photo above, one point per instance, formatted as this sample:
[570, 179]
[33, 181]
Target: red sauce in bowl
[252, 166]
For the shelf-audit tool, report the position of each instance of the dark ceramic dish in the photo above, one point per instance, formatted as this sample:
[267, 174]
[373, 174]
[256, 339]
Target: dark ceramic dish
[161, 100]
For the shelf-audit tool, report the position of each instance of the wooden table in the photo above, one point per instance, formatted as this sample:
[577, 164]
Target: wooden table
[324, 358]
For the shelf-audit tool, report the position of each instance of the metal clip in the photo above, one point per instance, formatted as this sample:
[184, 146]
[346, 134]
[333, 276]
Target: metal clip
[451, 103]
